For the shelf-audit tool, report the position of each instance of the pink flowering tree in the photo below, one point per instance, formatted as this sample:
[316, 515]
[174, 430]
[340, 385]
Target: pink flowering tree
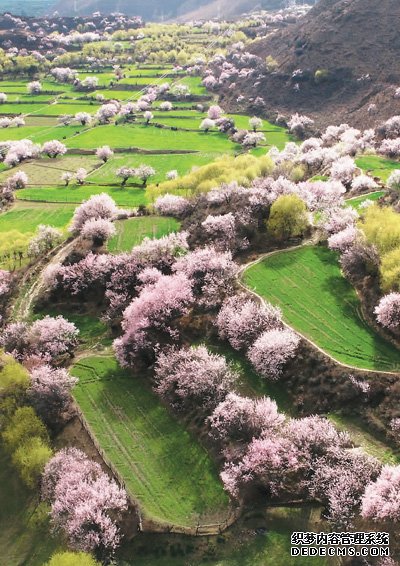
[19, 151]
[343, 170]
[364, 183]
[393, 181]
[54, 148]
[255, 123]
[90, 83]
[221, 230]
[388, 311]
[339, 481]
[390, 148]
[34, 87]
[272, 350]
[253, 139]
[214, 112]
[81, 175]
[45, 239]
[300, 125]
[99, 230]
[338, 219]
[85, 502]
[148, 116]
[5, 282]
[83, 118]
[49, 338]
[381, 500]
[125, 173]
[152, 318]
[106, 112]
[144, 172]
[211, 274]
[206, 125]
[17, 181]
[166, 106]
[50, 392]
[271, 462]
[172, 205]
[193, 376]
[242, 320]
[104, 153]
[67, 177]
[242, 418]
[342, 241]
[96, 207]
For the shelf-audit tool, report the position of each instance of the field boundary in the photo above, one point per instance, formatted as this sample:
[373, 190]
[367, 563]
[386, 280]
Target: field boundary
[147, 524]
[261, 300]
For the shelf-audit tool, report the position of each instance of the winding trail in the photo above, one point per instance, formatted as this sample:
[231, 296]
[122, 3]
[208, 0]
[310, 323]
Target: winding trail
[33, 283]
[261, 299]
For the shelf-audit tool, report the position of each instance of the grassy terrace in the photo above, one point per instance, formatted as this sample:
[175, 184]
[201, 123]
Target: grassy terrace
[149, 137]
[128, 196]
[19, 224]
[320, 303]
[162, 163]
[132, 231]
[24, 524]
[163, 465]
[357, 201]
[377, 166]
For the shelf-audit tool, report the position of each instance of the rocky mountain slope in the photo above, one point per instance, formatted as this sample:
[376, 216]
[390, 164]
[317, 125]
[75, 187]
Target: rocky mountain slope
[336, 63]
[150, 10]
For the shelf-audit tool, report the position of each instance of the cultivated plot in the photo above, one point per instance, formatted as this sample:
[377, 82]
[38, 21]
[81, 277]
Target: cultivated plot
[321, 304]
[163, 466]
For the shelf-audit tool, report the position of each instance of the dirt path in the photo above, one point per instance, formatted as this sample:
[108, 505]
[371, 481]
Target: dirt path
[33, 282]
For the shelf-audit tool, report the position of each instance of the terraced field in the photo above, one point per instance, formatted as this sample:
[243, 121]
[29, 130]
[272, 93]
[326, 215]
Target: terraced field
[377, 166]
[320, 303]
[19, 224]
[132, 231]
[163, 466]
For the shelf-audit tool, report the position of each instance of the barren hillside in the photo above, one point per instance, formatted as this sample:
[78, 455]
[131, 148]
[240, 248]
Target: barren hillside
[335, 62]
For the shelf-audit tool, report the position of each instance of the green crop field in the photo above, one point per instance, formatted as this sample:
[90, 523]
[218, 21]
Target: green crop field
[357, 201]
[123, 196]
[39, 134]
[25, 216]
[48, 109]
[164, 467]
[194, 83]
[151, 138]
[50, 170]
[161, 163]
[24, 522]
[321, 304]
[377, 166]
[19, 224]
[131, 232]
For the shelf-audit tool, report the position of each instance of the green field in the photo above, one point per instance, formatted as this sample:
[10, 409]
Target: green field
[50, 170]
[162, 163]
[321, 304]
[24, 524]
[128, 196]
[357, 201]
[39, 134]
[151, 138]
[131, 232]
[19, 224]
[164, 467]
[377, 166]
[48, 109]
[233, 548]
